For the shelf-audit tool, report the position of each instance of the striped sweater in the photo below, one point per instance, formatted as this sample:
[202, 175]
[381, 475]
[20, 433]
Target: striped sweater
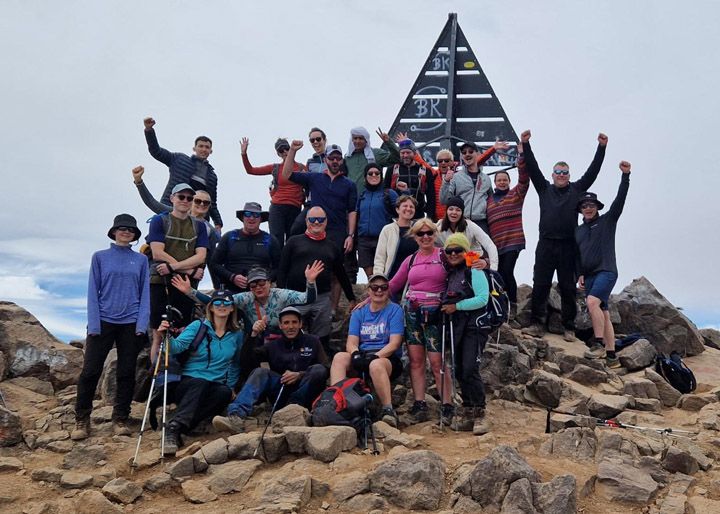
[504, 214]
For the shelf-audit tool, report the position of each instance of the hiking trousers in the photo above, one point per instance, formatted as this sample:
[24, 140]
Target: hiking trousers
[469, 345]
[97, 347]
[554, 255]
[281, 221]
[197, 399]
[264, 383]
[506, 268]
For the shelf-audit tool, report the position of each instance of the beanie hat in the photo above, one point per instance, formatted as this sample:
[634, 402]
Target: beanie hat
[456, 201]
[458, 239]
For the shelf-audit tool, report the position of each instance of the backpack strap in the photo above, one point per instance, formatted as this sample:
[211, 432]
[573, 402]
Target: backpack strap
[395, 176]
[275, 177]
[422, 175]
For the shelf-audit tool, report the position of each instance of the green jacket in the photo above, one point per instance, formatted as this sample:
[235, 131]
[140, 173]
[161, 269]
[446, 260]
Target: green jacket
[387, 155]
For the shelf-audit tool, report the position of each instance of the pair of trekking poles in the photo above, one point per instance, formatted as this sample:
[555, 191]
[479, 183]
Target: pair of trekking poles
[443, 364]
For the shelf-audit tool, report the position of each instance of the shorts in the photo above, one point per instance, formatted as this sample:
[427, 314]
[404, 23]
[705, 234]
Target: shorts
[397, 367]
[600, 285]
[366, 247]
[317, 318]
[159, 300]
[422, 327]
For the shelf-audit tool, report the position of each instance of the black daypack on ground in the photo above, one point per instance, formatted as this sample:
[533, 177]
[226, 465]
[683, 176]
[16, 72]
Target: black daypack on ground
[341, 404]
[497, 310]
[674, 370]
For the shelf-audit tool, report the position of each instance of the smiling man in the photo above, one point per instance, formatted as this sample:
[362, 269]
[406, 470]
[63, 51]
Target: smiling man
[410, 178]
[556, 249]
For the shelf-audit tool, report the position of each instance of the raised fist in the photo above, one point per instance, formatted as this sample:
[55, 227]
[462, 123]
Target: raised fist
[149, 123]
[296, 145]
[625, 166]
[602, 139]
[137, 173]
[525, 136]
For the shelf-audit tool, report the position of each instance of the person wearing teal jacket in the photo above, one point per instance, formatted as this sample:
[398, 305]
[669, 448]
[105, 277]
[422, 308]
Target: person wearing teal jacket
[360, 153]
[208, 374]
[463, 302]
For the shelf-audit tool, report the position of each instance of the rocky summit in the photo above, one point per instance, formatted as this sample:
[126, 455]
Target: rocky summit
[549, 449]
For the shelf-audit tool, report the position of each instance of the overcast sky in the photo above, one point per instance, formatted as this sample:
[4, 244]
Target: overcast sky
[78, 78]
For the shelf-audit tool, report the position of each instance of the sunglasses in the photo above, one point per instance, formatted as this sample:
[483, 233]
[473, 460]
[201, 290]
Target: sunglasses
[379, 287]
[205, 203]
[317, 219]
[258, 283]
[468, 151]
[455, 250]
[316, 139]
[586, 205]
[334, 158]
[444, 161]
[283, 149]
[125, 229]
[251, 214]
[425, 233]
[373, 173]
[184, 198]
[561, 172]
[223, 303]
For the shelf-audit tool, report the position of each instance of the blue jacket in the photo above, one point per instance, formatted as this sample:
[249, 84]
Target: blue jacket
[372, 212]
[222, 364]
[181, 168]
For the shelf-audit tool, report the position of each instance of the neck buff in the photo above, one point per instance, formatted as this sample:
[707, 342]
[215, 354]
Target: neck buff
[315, 237]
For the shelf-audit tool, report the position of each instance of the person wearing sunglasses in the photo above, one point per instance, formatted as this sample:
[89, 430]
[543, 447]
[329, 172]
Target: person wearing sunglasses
[296, 360]
[240, 250]
[318, 140]
[200, 207]
[556, 250]
[504, 213]
[373, 348]
[209, 373]
[179, 245]
[454, 222]
[118, 307]
[194, 170]
[597, 265]
[465, 296]
[470, 183]
[393, 247]
[286, 197]
[376, 209]
[407, 177]
[360, 154]
[423, 276]
[446, 162]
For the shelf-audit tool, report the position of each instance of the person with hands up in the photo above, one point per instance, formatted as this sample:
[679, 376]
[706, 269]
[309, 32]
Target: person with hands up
[296, 361]
[360, 154]
[597, 265]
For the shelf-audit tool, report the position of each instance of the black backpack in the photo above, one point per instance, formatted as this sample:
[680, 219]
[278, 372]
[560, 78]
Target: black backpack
[675, 372]
[497, 310]
[342, 404]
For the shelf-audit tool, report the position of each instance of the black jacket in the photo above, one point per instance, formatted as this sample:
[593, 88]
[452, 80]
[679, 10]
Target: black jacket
[238, 252]
[283, 354]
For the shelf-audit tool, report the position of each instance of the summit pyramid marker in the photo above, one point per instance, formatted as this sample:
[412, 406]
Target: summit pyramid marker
[452, 101]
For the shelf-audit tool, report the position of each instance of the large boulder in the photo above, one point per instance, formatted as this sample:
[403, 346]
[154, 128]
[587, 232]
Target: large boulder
[638, 355]
[413, 480]
[711, 337]
[10, 427]
[544, 389]
[621, 482]
[644, 310]
[31, 350]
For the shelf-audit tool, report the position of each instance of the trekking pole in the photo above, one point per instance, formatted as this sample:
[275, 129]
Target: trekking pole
[267, 424]
[367, 422]
[442, 369]
[613, 423]
[452, 363]
[2, 398]
[166, 346]
[147, 410]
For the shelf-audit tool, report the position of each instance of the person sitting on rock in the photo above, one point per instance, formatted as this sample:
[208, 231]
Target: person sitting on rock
[467, 293]
[118, 314]
[209, 373]
[373, 345]
[597, 264]
[297, 374]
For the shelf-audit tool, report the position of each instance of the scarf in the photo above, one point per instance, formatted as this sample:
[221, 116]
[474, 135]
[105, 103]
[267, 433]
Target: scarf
[361, 131]
[315, 237]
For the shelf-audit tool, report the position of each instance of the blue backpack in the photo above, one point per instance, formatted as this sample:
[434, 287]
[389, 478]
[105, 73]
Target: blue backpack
[675, 372]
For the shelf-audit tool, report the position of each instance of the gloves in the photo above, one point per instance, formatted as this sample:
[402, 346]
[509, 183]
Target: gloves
[361, 360]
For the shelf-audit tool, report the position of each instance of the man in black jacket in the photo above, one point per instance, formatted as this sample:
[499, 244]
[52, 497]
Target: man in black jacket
[409, 178]
[297, 362]
[597, 266]
[556, 248]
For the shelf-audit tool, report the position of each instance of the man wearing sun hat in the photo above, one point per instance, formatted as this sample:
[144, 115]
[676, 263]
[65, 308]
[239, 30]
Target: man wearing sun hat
[118, 308]
[240, 250]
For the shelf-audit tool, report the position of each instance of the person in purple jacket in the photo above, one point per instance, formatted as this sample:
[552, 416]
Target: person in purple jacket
[118, 308]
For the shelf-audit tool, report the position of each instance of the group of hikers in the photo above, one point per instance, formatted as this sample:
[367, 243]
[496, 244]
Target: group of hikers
[430, 241]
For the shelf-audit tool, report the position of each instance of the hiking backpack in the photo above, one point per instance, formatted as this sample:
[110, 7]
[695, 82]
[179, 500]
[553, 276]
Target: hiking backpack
[675, 372]
[342, 404]
[497, 310]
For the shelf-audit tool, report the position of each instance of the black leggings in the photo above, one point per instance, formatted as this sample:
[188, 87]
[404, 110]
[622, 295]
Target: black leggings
[506, 268]
[469, 345]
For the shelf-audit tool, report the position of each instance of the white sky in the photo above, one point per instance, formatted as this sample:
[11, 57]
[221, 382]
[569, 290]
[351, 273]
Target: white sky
[78, 77]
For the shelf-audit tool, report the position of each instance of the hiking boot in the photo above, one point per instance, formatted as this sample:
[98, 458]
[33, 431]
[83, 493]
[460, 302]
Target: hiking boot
[513, 312]
[419, 411]
[232, 423]
[463, 421]
[534, 330]
[119, 427]
[172, 439]
[447, 413]
[389, 416]
[480, 424]
[82, 430]
[613, 362]
[596, 351]
[569, 335]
